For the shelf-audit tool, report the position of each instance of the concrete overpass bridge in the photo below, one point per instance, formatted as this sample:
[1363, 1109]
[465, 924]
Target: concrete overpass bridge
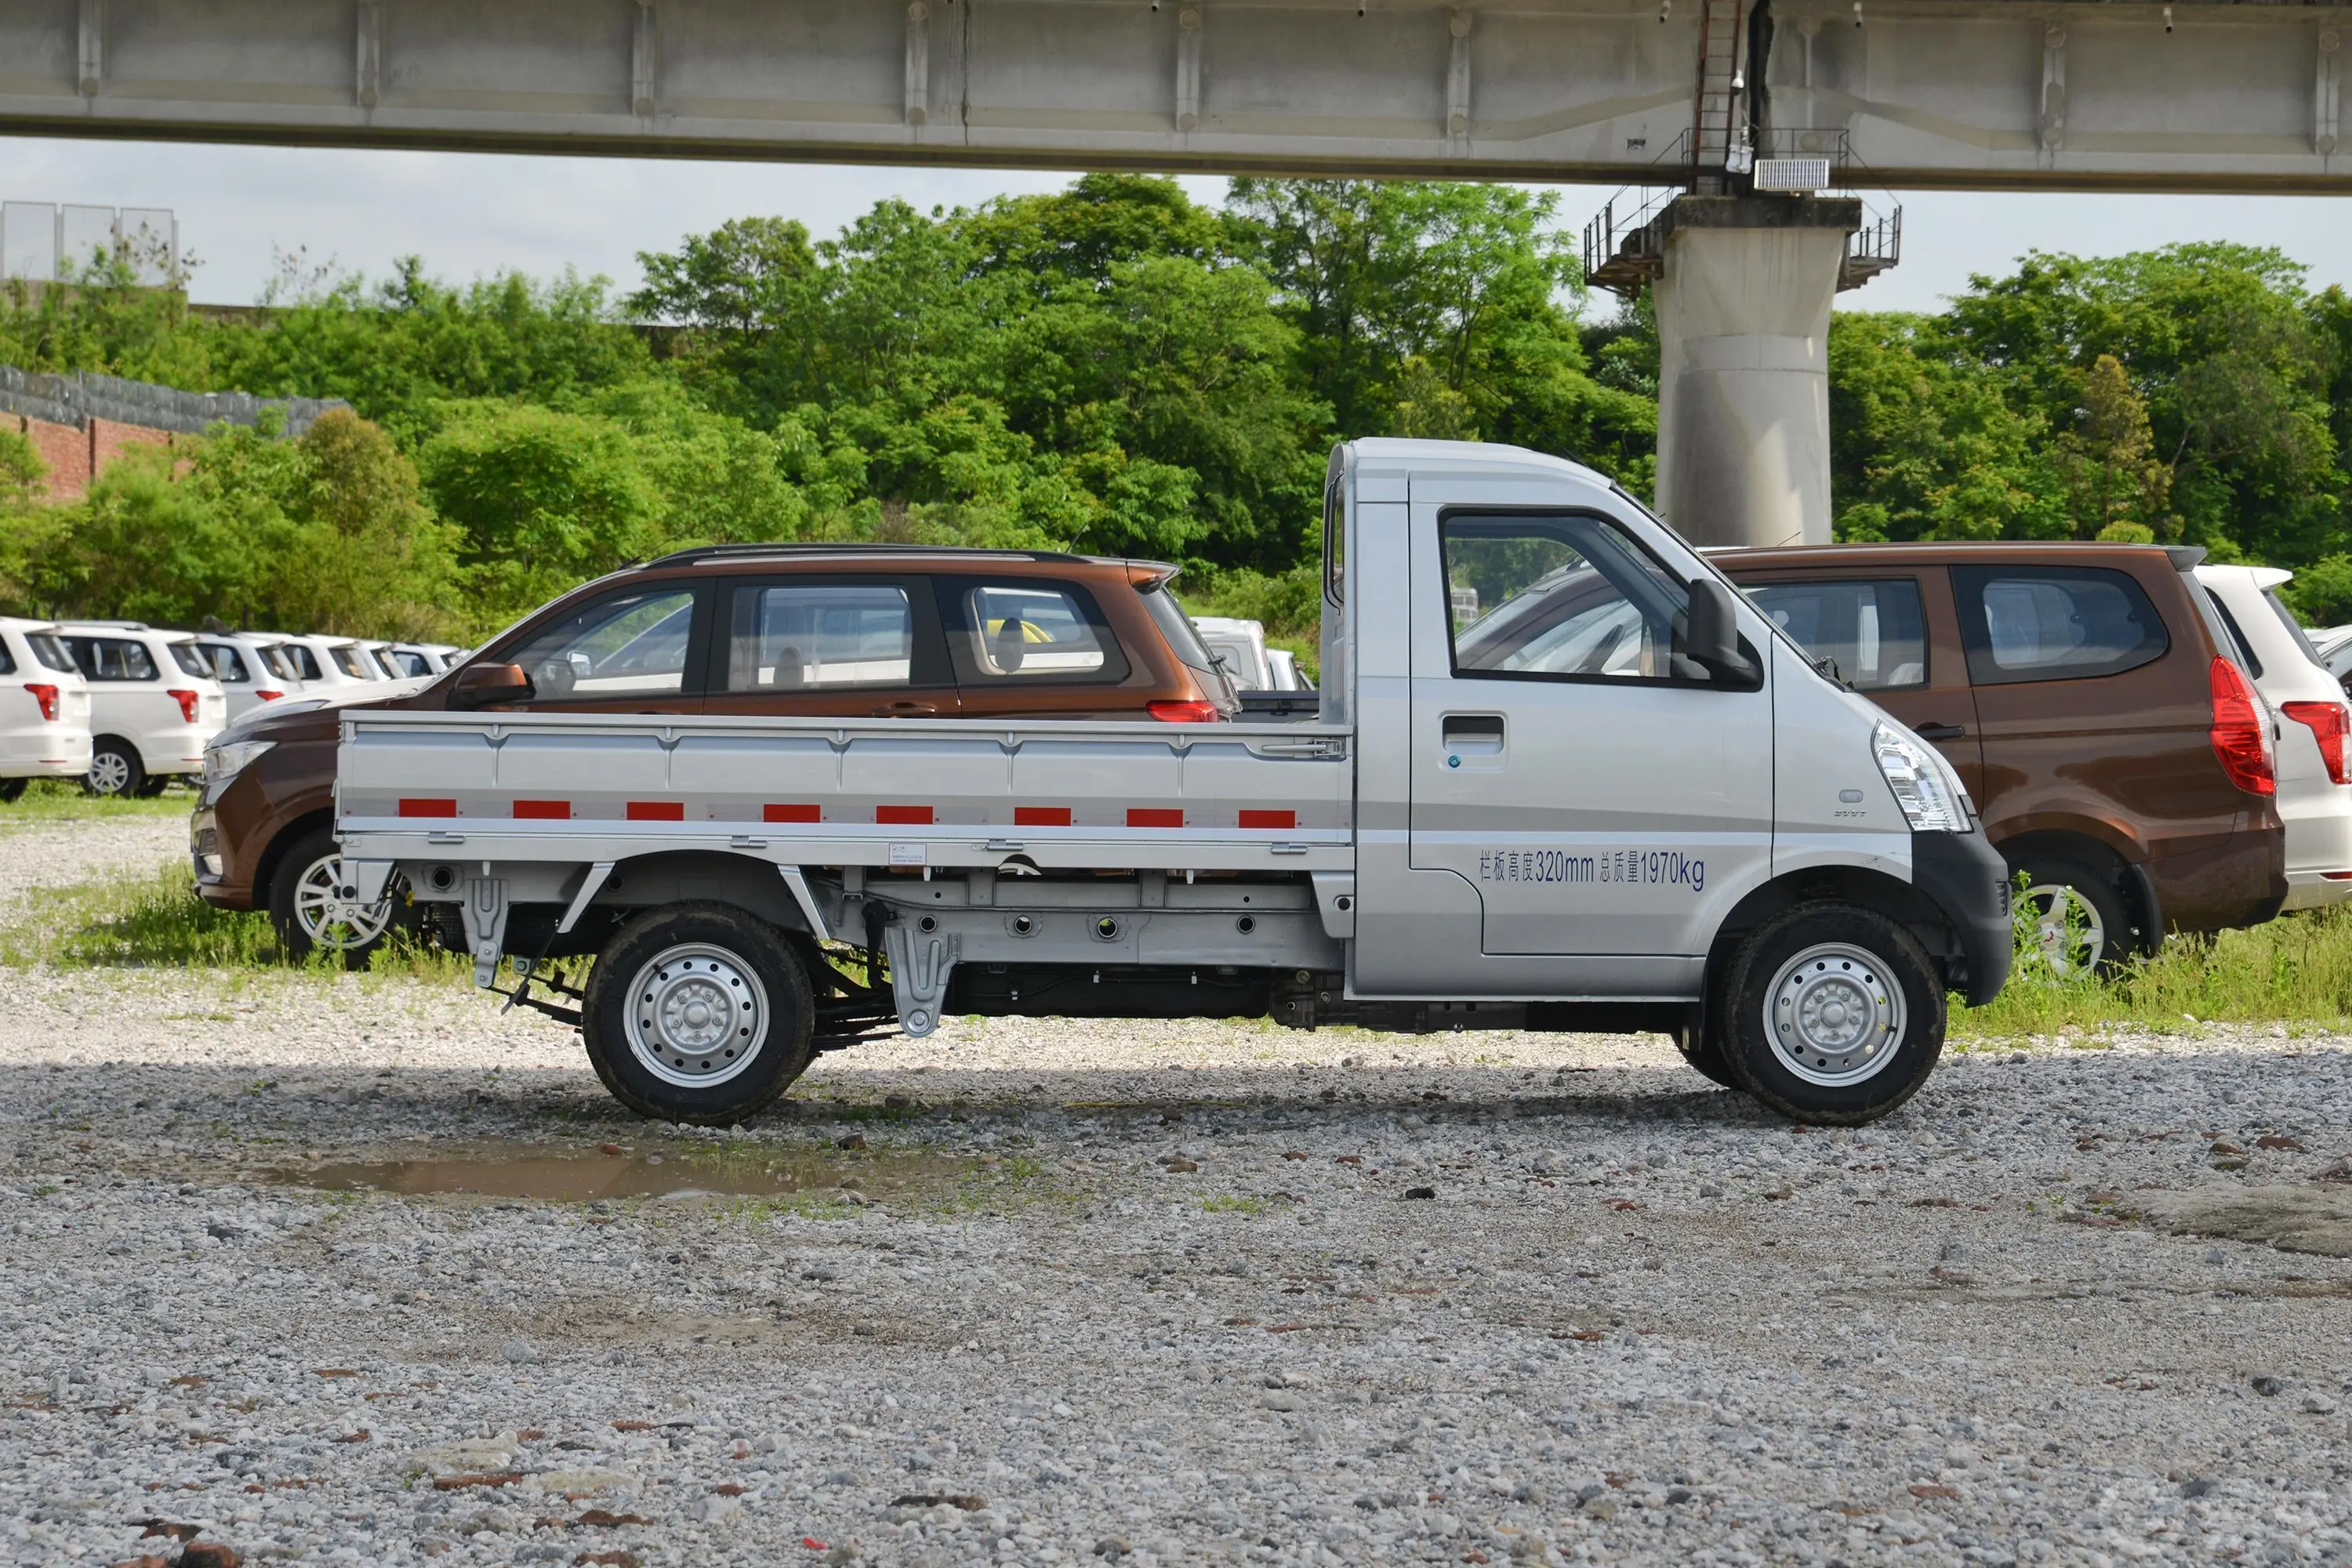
[1711, 98]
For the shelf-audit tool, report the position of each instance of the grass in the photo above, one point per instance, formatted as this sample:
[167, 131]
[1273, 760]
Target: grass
[157, 921]
[2296, 970]
[53, 800]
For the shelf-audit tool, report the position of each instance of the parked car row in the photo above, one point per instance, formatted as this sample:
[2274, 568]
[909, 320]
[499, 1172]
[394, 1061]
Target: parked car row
[125, 707]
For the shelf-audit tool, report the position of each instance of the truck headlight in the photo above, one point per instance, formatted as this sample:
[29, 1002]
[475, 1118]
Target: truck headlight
[1924, 786]
[224, 759]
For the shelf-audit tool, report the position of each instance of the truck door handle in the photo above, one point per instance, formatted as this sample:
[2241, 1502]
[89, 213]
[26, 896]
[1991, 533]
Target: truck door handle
[1473, 735]
[1940, 731]
[904, 710]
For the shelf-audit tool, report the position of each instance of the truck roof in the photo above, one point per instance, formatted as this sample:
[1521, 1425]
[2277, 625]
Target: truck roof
[1398, 454]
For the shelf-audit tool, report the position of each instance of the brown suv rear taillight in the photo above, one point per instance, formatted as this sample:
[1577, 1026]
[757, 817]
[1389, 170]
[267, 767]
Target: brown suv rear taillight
[2241, 732]
[1189, 712]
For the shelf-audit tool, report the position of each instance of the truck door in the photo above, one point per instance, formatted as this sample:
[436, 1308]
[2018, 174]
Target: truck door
[1602, 793]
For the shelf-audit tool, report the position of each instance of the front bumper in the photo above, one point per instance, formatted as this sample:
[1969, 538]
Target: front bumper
[1966, 878]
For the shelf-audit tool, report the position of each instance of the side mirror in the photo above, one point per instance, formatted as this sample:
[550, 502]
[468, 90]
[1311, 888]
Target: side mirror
[1712, 641]
[485, 685]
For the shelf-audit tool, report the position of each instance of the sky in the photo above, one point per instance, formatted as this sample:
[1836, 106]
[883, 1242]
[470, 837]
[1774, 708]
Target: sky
[240, 208]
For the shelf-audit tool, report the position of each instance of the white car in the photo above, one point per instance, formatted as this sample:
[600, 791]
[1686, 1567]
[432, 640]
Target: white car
[328, 666]
[1288, 676]
[1240, 647]
[154, 703]
[2314, 730]
[43, 708]
[412, 659]
[250, 669]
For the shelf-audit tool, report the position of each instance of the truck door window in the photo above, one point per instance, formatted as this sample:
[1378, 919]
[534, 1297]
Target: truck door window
[1875, 631]
[629, 645]
[2055, 623]
[804, 636]
[1562, 597]
[1034, 632]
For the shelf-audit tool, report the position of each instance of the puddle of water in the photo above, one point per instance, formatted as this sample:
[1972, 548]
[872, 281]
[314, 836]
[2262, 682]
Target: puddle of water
[565, 1177]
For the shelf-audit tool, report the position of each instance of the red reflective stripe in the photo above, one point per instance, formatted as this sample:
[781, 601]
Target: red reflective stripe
[904, 816]
[1269, 819]
[428, 808]
[790, 814]
[1154, 816]
[657, 811]
[2335, 876]
[544, 810]
[1041, 817]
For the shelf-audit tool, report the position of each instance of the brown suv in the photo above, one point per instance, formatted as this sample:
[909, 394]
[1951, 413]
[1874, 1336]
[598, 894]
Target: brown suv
[817, 630]
[2119, 754]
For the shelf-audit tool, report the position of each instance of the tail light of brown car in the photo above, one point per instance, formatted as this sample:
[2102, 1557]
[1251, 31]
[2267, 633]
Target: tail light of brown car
[1191, 710]
[2242, 738]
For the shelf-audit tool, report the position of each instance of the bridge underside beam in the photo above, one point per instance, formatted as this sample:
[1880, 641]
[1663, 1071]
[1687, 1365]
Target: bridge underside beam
[1983, 93]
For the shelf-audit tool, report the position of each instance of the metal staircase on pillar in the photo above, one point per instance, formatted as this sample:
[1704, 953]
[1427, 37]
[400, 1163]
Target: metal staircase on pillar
[1718, 140]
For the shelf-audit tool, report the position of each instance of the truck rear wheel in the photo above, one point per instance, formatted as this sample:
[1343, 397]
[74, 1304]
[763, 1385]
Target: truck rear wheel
[698, 1013]
[1836, 1014]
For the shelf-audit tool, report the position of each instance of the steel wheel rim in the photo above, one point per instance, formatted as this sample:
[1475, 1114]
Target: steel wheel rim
[1834, 1015]
[696, 1015]
[327, 919]
[110, 773]
[2060, 956]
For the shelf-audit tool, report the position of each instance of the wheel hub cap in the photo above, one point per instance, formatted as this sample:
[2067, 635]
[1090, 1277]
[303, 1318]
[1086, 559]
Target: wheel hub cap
[330, 919]
[1834, 1015]
[697, 1016]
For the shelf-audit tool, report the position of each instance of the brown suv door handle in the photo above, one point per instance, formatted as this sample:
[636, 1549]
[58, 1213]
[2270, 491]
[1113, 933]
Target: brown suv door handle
[1940, 732]
[904, 710]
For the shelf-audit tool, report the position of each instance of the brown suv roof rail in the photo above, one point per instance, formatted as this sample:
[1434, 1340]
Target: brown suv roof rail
[702, 553]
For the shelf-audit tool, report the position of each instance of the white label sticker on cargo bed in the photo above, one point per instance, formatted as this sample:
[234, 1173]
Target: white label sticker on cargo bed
[907, 854]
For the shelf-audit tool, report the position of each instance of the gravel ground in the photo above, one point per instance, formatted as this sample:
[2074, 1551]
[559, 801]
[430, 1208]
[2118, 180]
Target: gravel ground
[1154, 1293]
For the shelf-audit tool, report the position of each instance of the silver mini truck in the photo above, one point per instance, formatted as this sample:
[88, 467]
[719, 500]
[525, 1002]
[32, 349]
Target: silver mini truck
[1560, 776]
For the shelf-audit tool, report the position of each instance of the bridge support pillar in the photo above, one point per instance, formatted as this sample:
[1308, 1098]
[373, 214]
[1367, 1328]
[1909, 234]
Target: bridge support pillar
[1743, 305]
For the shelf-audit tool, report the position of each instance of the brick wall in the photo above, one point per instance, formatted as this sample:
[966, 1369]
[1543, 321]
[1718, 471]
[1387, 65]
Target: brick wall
[76, 457]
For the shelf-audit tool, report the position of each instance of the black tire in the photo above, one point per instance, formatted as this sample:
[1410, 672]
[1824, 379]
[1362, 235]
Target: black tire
[652, 1053]
[2103, 915]
[1831, 963]
[115, 770]
[310, 866]
[11, 791]
[153, 785]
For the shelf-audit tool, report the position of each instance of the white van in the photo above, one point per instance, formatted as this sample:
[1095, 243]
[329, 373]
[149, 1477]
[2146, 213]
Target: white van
[2313, 730]
[154, 703]
[250, 669]
[330, 666]
[43, 708]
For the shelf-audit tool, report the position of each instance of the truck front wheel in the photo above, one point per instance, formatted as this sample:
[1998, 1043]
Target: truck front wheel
[1835, 1015]
[698, 1013]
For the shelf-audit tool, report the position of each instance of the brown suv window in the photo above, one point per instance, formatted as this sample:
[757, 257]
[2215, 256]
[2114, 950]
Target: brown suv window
[2055, 623]
[1873, 629]
[622, 645]
[1009, 632]
[821, 636]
